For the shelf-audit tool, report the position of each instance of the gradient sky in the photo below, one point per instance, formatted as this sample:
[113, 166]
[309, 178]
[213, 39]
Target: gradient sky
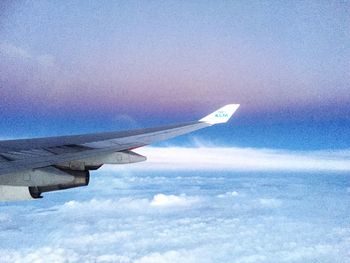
[269, 186]
[85, 66]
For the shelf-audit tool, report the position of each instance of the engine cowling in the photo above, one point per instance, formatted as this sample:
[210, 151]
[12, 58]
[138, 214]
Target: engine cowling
[37, 177]
[81, 178]
[30, 184]
[13, 193]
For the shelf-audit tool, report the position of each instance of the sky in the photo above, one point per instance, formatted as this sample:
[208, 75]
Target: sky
[271, 185]
[82, 66]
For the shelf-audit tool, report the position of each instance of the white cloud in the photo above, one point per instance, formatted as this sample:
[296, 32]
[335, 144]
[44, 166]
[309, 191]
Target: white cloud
[229, 194]
[4, 217]
[131, 205]
[170, 257]
[270, 202]
[252, 259]
[241, 159]
[162, 200]
[40, 255]
[183, 216]
[112, 258]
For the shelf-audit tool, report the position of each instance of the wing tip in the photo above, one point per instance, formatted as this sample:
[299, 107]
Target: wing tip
[221, 115]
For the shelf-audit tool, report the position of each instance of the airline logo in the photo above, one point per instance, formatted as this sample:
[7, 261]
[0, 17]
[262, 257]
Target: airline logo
[221, 114]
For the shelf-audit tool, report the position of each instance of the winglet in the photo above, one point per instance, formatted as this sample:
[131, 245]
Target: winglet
[222, 115]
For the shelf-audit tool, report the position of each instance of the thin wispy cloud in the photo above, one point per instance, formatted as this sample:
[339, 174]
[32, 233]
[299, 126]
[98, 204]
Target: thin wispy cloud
[8, 50]
[13, 51]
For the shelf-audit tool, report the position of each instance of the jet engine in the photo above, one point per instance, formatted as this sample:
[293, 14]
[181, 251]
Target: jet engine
[29, 184]
[30, 187]
[81, 178]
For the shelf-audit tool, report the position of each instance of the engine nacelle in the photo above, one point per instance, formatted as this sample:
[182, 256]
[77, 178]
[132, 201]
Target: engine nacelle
[37, 177]
[13, 193]
[81, 178]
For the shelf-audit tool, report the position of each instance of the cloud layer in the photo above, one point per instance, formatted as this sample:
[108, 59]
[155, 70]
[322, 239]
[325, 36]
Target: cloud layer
[189, 216]
[242, 159]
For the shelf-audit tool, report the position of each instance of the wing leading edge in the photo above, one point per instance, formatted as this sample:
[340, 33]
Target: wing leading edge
[21, 159]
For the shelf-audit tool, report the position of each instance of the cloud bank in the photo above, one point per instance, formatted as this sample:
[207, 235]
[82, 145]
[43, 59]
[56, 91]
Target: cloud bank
[194, 214]
[189, 216]
[241, 159]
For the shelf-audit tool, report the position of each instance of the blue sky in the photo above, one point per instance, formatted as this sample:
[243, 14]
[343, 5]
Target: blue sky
[96, 65]
[269, 186]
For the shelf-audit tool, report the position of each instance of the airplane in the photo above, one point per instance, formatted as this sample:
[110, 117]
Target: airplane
[31, 167]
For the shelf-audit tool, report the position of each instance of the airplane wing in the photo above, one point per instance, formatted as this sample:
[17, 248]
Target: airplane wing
[29, 167]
